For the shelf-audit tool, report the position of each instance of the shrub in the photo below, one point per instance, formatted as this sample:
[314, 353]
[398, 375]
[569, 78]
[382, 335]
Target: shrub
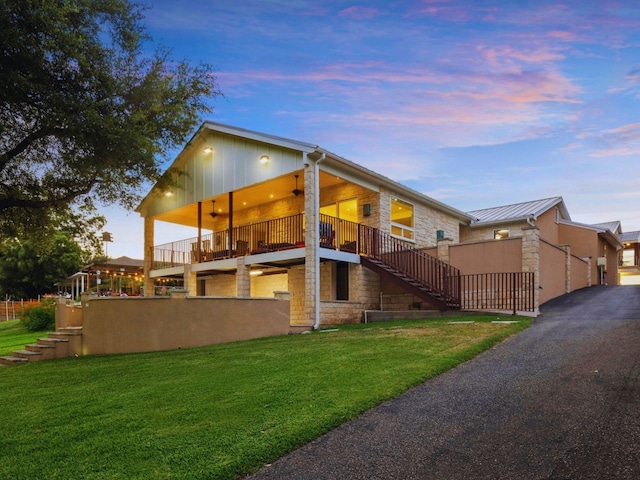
[40, 317]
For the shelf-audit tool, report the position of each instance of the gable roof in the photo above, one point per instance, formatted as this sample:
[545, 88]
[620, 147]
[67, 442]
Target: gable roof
[518, 211]
[613, 227]
[340, 164]
[602, 230]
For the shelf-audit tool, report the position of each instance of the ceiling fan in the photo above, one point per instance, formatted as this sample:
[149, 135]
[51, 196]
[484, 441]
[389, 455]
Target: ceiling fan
[213, 209]
[296, 191]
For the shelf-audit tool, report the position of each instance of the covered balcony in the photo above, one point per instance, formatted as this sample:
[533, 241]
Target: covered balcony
[276, 235]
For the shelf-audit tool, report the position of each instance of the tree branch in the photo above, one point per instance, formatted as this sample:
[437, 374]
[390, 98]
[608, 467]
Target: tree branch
[6, 157]
[12, 201]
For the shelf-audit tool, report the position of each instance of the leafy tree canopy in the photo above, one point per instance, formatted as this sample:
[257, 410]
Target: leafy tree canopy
[85, 116]
[32, 267]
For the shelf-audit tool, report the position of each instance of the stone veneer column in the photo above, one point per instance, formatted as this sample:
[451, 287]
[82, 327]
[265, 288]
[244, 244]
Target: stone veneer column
[531, 259]
[190, 281]
[311, 245]
[589, 279]
[148, 290]
[443, 249]
[567, 267]
[243, 279]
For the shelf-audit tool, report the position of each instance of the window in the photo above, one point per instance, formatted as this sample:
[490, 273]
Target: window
[344, 210]
[402, 219]
[500, 234]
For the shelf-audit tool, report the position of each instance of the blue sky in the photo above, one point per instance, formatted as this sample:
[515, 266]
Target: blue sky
[475, 103]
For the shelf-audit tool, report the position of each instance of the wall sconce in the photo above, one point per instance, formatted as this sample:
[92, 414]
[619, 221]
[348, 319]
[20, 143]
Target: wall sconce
[207, 150]
[264, 159]
[366, 209]
[168, 193]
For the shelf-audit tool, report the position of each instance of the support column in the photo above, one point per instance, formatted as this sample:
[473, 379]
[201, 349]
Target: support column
[443, 249]
[148, 290]
[311, 238]
[243, 279]
[589, 279]
[567, 267]
[531, 259]
[190, 281]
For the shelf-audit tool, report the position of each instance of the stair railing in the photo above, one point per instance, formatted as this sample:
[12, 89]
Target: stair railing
[437, 276]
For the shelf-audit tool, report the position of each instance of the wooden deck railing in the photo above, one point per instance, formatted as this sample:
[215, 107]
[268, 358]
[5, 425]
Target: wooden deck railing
[259, 237]
[496, 291]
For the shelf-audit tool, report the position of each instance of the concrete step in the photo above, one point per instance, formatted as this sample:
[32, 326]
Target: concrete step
[38, 347]
[61, 345]
[51, 341]
[28, 354]
[70, 330]
[12, 360]
[64, 335]
[48, 352]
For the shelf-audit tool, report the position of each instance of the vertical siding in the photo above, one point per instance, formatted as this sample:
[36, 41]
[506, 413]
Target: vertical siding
[231, 166]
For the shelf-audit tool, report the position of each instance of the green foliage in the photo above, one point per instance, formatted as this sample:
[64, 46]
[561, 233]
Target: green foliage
[31, 267]
[84, 115]
[217, 412]
[39, 317]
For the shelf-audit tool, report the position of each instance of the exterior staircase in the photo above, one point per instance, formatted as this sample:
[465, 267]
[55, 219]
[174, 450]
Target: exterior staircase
[426, 277]
[65, 342]
[438, 298]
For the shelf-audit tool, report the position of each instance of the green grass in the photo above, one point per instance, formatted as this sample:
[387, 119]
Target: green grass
[14, 336]
[216, 412]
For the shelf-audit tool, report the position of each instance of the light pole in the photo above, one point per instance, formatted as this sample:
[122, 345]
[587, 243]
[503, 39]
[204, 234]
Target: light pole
[106, 238]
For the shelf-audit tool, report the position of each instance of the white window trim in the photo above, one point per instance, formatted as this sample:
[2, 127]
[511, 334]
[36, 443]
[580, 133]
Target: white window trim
[400, 225]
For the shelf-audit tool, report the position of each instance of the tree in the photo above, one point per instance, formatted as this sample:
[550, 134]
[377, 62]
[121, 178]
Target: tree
[32, 267]
[84, 115]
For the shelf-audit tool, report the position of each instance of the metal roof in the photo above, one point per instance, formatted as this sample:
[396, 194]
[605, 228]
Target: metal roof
[518, 211]
[611, 226]
[630, 237]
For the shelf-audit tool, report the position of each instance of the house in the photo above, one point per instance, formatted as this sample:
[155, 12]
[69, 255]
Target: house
[629, 269]
[278, 215]
[587, 252]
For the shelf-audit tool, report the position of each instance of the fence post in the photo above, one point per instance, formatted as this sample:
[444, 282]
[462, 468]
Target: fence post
[514, 293]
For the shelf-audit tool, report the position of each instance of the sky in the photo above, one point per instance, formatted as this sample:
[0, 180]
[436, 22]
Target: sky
[474, 103]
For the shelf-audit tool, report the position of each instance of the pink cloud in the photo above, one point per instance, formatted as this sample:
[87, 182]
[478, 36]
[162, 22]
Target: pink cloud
[621, 141]
[359, 13]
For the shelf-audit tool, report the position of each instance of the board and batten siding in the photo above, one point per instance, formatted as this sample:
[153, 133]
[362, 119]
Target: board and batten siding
[233, 165]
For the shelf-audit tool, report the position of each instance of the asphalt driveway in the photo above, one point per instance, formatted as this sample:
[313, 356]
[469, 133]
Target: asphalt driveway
[560, 400]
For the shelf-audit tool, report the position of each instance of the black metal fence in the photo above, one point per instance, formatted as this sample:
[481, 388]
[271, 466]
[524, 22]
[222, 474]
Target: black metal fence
[498, 291]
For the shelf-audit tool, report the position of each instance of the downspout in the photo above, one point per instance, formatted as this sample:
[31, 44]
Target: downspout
[316, 211]
[199, 250]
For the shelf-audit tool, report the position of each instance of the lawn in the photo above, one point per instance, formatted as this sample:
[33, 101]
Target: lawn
[217, 412]
[14, 336]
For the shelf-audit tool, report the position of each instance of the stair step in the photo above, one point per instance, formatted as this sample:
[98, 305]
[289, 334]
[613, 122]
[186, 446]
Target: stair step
[63, 335]
[51, 341]
[36, 347]
[70, 330]
[28, 354]
[9, 360]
